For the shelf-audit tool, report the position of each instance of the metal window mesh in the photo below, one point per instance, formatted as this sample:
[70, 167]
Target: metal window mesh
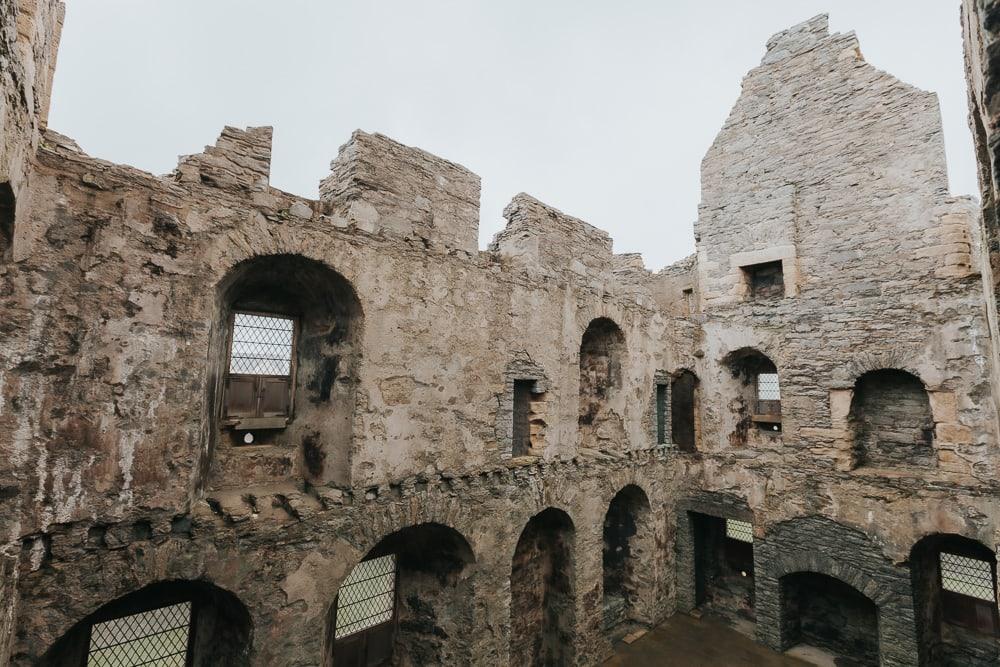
[156, 637]
[262, 345]
[739, 530]
[767, 387]
[967, 576]
[367, 597]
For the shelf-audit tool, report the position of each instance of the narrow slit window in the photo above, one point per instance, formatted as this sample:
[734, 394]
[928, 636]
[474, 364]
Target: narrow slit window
[521, 442]
[661, 414]
[261, 370]
[741, 531]
[155, 637]
[367, 597]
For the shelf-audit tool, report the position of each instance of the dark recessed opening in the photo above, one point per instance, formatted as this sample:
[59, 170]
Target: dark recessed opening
[7, 207]
[765, 281]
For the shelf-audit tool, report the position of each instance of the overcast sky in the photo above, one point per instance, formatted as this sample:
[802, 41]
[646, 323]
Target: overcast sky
[602, 109]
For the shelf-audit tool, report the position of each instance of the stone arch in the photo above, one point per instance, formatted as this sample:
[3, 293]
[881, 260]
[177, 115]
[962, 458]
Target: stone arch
[955, 626]
[819, 545]
[846, 375]
[542, 591]
[628, 545]
[890, 420]
[212, 625]
[821, 564]
[602, 358]
[431, 600]
[315, 438]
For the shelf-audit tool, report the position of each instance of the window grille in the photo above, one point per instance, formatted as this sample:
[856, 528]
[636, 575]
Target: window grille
[741, 531]
[767, 387]
[155, 637]
[367, 597]
[967, 576]
[262, 345]
[768, 396]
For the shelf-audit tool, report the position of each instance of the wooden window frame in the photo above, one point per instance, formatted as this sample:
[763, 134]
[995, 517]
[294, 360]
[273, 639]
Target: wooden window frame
[258, 421]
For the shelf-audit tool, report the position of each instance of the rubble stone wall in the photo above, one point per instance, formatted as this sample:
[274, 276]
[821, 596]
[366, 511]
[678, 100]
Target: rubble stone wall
[118, 473]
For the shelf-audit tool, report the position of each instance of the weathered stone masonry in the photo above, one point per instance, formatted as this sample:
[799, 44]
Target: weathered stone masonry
[121, 484]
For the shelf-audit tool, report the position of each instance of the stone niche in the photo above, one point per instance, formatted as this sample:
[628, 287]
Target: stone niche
[315, 439]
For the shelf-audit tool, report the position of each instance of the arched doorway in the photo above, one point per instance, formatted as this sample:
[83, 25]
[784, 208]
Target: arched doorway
[407, 602]
[542, 598]
[627, 545]
[171, 623]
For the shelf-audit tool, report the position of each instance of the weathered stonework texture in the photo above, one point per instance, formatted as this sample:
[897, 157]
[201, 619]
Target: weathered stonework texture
[122, 485]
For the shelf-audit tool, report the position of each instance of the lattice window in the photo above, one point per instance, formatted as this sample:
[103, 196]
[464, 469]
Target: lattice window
[741, 531]
[367, 597]
[155, 637]
[967, 576]
[767, 387]
[262, 345]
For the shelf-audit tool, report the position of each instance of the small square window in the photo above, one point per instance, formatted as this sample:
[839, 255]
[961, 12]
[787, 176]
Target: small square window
[765, 281]
[741, 531]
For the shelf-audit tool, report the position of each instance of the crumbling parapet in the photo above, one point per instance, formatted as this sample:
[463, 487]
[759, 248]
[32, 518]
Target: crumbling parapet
[381, 185]
[239, 159]
[541, 236]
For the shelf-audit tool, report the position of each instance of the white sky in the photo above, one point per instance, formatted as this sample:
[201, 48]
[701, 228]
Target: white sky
[602, 109]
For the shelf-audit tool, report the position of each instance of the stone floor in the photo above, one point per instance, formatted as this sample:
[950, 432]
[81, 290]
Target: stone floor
[691, 642]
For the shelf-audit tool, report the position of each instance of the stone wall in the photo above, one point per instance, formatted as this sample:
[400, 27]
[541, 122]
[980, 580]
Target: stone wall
[119, 473]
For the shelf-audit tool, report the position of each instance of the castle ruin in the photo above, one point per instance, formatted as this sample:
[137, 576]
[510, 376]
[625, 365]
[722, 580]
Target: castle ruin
[269, 430]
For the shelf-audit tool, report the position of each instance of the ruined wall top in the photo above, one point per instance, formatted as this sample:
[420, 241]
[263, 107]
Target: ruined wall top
[385, 185]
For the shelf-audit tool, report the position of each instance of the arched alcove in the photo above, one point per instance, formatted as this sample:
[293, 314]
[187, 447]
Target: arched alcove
[602, 355]
[891, 421]
[542, 595]
[627, 548]
[193, 622]
[823, 612]
[407, 602]
[755, 396]
[286, 348]
[955, 599]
